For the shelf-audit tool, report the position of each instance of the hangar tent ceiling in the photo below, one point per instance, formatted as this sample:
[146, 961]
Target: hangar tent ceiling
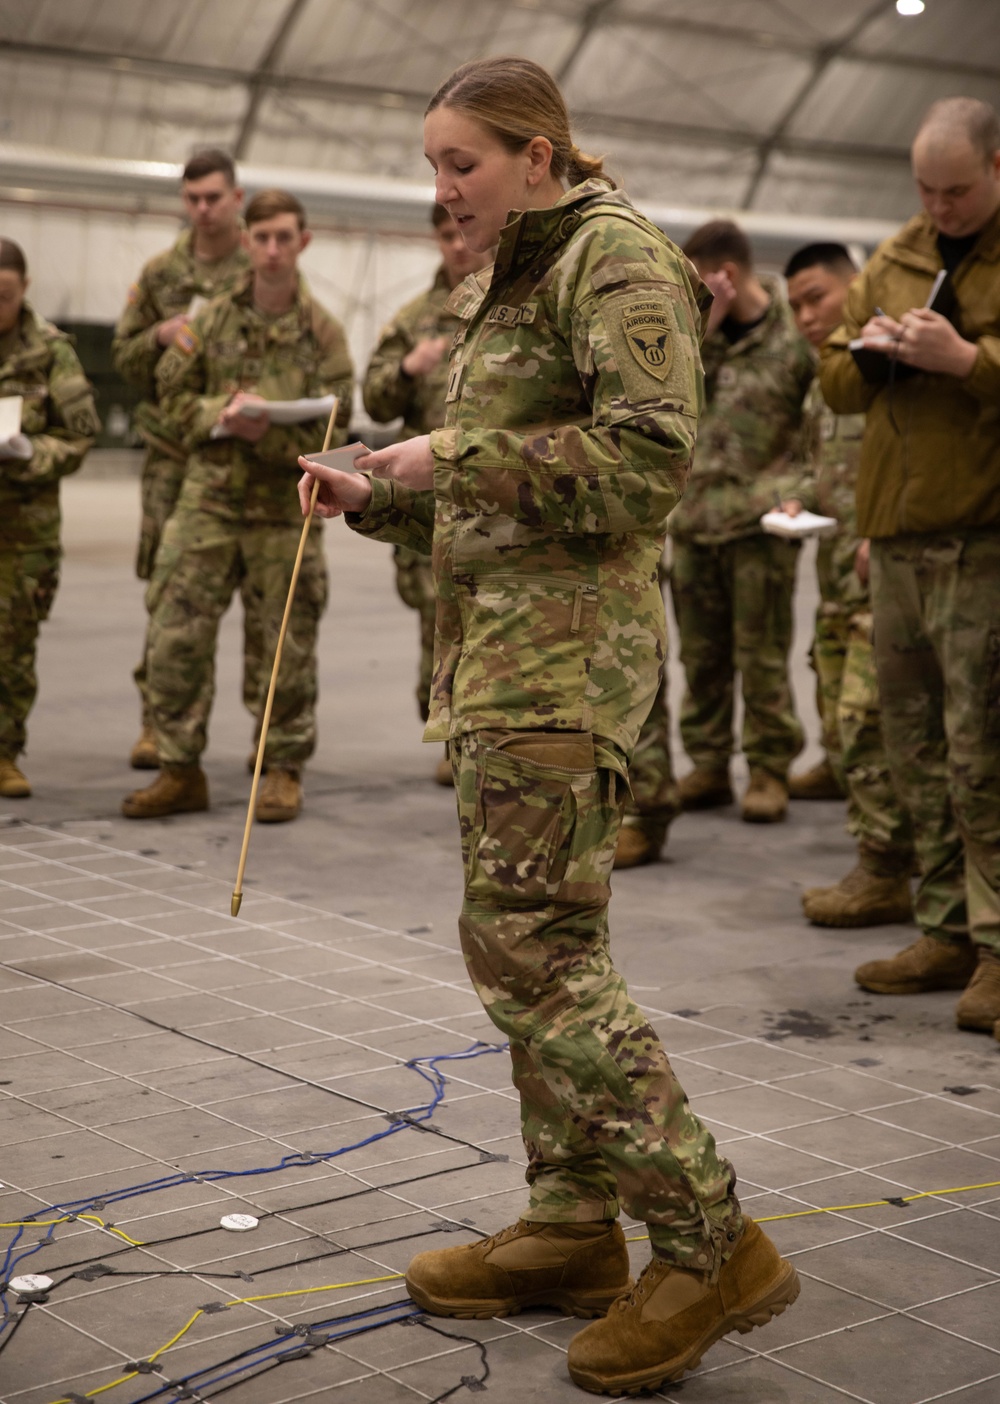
[803, 106]
[797, 114]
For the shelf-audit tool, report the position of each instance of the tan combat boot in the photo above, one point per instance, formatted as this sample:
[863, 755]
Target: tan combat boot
[14, 783]
[280, 797]
[820, 783]
[929, 964]
[579, 1268]
[640, 840]
[766, 799]
[178, 789]
[144, 755]
[671, 1317]
[862, 898]
[443, 773]
[979, 1006]
[705, 787]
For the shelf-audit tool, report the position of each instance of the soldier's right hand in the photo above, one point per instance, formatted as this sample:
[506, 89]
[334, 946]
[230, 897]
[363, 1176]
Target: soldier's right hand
[338, 491]
[166, 331]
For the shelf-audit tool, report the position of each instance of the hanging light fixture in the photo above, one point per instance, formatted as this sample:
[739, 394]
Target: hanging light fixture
[910, 7]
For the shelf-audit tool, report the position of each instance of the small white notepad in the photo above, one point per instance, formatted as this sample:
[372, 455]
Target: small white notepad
[797, 528]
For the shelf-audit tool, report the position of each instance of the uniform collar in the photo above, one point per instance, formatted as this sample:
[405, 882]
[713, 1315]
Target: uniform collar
[300, 309]
[534, 234]
[916, 243]
[777, 312]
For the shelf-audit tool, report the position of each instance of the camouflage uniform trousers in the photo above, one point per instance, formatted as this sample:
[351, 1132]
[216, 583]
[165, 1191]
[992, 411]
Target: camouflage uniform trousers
[603, 1117]
[162, 478]
[203, 558]
[733, 604]
[937, 644]
[415, 587]
[843, 657]
[28, 584]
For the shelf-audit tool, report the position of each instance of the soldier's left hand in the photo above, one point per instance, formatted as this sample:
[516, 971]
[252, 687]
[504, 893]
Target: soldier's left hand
[409, 462]
[929, 342]
[252, 428]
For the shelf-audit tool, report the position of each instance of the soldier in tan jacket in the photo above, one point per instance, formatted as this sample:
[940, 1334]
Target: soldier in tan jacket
[929, 499]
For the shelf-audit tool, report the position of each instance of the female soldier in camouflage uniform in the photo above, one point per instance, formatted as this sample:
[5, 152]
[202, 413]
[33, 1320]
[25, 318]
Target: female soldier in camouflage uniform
[58, 425]
[573, 400]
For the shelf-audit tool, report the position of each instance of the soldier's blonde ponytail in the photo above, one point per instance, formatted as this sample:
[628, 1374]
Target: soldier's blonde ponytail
[517, 100]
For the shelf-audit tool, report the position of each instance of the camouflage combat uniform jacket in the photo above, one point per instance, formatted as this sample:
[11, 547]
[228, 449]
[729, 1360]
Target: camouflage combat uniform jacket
[167, 285]
[388, 392]
[59, 418]
[835, 453]
[573, 401]
[750, 450]
[227, 347]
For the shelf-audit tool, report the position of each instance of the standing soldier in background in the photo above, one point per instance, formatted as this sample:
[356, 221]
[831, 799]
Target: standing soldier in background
[929, 498]
[58, 426]
[236, 522]
[206, 261]
[732, 585]
[408, 376]
[877, 890]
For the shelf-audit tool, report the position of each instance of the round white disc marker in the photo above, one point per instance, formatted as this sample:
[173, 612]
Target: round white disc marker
[239, 1223]
[31, 1282]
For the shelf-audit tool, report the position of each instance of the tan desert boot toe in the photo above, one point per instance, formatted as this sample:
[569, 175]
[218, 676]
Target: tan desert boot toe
[579, 1268]
[979, 1006]
[14, 784]
[673, 1315]
[705, 787]
[178, 789]
[819, 783]
[860, 899]
[766, 799]
[280, 797]
[144, 755]
[929, 964]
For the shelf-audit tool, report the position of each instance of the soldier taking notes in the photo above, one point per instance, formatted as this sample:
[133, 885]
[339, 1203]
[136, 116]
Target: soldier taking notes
[236, 524]
[205, 262]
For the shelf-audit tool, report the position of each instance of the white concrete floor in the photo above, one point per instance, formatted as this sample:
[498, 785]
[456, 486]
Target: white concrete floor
[123, 977]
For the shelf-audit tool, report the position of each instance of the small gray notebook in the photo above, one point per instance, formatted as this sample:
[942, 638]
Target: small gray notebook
[343, 458]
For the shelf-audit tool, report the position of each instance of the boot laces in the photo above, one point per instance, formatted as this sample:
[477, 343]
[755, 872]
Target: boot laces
[648, 1280]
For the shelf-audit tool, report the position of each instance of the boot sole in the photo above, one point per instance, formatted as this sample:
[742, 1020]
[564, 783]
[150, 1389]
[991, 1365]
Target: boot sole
[764, 818]
[586, 1304]
[16, 792]
[774, 1301]
[973, 1025]
[131, 813]
[276, 816]
[144, 762]
[883, 918]
[912, 986]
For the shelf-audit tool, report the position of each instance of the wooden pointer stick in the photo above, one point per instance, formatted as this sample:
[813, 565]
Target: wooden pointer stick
[266, 719]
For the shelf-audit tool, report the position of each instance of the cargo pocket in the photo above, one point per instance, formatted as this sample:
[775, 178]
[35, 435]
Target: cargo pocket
[525, 816]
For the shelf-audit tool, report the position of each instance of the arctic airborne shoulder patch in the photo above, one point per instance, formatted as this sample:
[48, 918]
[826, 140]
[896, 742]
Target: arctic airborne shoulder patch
[648, 331]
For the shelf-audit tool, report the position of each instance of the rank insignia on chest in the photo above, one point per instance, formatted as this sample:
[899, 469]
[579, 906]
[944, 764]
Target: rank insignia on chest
[647, 332]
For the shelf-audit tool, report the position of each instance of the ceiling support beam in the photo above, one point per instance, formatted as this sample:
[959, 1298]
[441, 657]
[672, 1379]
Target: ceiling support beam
[822, 60]
[596, 14]
[257, 82]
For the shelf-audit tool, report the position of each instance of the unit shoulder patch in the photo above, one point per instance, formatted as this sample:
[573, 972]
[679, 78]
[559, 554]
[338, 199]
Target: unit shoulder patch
[649, 331]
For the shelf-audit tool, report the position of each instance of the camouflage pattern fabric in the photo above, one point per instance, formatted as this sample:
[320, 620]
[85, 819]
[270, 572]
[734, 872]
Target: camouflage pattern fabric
[751, 441]
[875, 817]
[28, 583]
[842, 654]
[605, 1122]
[937, 645]
[729, 577]
[203, 559]
[38, 363]
[573, 402]
[167, 286]
[651, 770]
[574, 394]
[237, 522]
[389, 393]
[733, 604]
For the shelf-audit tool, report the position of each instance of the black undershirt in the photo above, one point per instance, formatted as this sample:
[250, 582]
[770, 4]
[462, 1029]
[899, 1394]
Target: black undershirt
[735, 331]
[953, 250]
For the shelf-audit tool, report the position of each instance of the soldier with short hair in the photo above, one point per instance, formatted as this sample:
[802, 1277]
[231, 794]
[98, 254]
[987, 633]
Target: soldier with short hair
[206, 261]
[877, 890]
[731, 583]
[408, 376]
[236, 523]
[928, 382]
[58, 426]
